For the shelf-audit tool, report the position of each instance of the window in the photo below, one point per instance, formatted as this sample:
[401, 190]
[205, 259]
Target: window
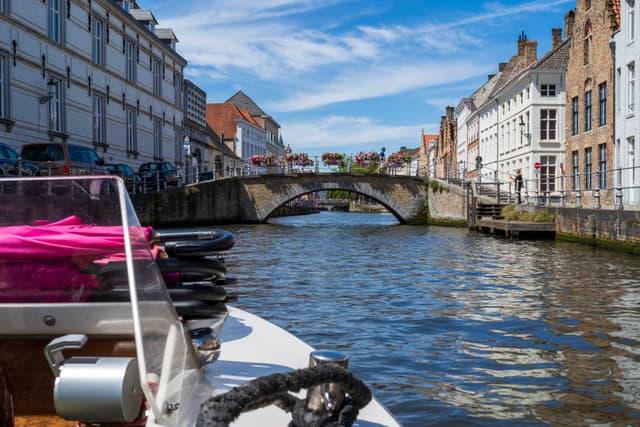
[576, 170]
[588, 40]
[177, 86]
[3, 6]
[602, 101]
[602, 165]
[547, 125]
[587, 110]
[130, 57]
[56, 119]
[587, 4]
[126, 5]
[588, 168]
[157, 138]
[99, 119]
[574, 115]
[631, 21]
[98, 41]
[547, 173]
[631, 87]
[4, 87]
[132, 140]
[156, 69]
[55, 22]
[548, 90]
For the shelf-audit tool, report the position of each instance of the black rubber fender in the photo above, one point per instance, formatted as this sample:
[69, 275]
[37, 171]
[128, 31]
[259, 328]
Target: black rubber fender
[209, 266]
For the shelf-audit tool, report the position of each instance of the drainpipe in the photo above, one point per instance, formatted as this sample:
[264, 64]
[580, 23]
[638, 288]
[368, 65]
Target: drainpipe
[497, 138]
[617, 203]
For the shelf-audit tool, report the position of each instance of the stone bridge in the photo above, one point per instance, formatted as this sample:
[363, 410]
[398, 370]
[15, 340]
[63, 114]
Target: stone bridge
[253, 199]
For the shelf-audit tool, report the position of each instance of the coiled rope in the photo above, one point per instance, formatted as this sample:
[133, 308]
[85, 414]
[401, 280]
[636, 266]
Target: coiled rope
[221, 410]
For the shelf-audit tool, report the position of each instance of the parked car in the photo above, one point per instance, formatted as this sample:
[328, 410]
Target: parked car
[132, 179]
[60, 158]
[159, 175]
[12, 164]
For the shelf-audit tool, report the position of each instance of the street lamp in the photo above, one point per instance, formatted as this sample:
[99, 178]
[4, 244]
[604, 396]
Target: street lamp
[51, 91]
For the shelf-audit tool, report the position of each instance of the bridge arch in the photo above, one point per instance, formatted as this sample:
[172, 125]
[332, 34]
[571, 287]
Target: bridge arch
[403, 196]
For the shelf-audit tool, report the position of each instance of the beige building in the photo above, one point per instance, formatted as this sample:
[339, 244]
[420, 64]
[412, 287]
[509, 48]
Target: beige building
[590, 94]
[445, 156]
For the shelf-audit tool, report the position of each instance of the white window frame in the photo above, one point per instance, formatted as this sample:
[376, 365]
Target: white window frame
[631, 87]
[157, 138]
[99, 118]
[4, 85]
[548, 124]
[130, 60]
[631, 21]
[131, 129]
[55, 20]
[98, 40]
[156, 71]
[548, 89]
[56, 107]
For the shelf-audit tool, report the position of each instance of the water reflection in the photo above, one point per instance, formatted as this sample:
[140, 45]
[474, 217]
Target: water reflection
[452, 327]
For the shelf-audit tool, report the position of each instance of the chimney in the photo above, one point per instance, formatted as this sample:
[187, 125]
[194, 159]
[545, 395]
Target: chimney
[556, 37]
[530, 52]
[569, 19]
[502, 66]
[450, 113]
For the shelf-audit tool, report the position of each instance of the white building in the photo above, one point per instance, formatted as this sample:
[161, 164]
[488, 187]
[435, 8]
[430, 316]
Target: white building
[90, 73]
[195, 128]
[627, 132]
[469, 127]
[522, 122]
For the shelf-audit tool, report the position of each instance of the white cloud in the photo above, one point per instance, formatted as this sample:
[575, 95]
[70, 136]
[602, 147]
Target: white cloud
[378, 82]
[354, 132]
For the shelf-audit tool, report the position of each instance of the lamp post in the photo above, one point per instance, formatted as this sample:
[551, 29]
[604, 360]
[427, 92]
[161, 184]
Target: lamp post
[51, 91]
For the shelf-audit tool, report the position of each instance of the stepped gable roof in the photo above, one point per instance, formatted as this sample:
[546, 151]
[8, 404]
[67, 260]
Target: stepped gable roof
[243, 101]
[223, 118]
[615, 4]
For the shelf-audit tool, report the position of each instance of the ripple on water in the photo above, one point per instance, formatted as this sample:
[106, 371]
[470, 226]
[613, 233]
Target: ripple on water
[452, 328]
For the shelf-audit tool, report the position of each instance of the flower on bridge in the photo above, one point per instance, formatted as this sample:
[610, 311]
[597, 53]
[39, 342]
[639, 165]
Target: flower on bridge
[263, 160]
[299, 159]
[365, 159]
[333, 158]
[397, 160]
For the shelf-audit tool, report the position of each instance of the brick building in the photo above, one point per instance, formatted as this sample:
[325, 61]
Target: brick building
[445, 157]
[590, 94]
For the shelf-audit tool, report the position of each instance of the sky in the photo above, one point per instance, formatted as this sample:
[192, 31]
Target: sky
[352, 75]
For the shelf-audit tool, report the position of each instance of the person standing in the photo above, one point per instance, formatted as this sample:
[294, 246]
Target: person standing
[382, 155]
[518, 183]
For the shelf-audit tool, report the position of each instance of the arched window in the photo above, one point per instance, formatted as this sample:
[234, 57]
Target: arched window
[588, 41]
[587, 4]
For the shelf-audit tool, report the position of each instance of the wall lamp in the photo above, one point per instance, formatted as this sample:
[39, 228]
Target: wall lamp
[523, 126]
[51, 91]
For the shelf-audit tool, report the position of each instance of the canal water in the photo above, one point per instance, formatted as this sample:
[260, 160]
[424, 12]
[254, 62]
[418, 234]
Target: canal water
[450, 327]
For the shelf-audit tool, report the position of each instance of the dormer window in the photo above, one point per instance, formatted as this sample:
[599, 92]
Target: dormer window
[152, 27]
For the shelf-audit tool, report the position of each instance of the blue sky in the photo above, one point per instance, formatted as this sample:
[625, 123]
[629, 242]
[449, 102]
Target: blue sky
[351, 75]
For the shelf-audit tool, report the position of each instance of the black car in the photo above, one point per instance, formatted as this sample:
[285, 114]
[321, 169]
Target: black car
[159, 175]
[12, 164]
[132, 179]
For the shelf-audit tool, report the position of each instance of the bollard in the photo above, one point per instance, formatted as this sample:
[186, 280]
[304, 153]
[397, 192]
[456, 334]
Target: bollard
[326, 397]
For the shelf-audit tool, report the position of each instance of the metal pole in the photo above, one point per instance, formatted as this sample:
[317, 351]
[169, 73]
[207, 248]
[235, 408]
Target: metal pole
[618, 201]
[562, 198]
[596, 192]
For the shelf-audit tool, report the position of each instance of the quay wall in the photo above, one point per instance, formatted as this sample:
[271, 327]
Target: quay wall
[446, 204]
